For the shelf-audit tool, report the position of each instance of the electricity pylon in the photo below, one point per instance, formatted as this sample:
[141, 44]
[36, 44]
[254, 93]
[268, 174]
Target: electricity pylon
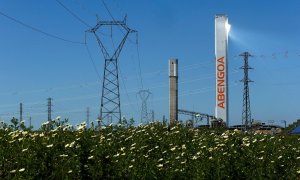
[144, 95]
[246, 115]
[110, 99]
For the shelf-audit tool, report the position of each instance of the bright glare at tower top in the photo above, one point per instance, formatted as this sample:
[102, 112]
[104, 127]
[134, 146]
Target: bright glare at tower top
[228, 27]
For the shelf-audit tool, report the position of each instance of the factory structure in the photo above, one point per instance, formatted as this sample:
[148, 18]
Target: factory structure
[173, 104]
[221, 116]
[221, 109]
[110, 102]
[110, 110]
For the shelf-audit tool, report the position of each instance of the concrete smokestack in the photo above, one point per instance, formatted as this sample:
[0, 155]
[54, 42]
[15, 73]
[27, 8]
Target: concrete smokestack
[173, 99]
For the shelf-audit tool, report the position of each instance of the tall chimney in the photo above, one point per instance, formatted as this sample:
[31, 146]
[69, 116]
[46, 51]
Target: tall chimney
[173, 75]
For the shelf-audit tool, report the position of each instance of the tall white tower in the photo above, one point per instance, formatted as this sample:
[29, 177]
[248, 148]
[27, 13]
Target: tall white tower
[221, 43]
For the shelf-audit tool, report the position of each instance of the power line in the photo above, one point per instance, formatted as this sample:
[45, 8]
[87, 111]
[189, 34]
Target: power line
[112, 17]
[139, 61]
[86, 46]
[38, 30]
[192, 66]
[92, 60]
[127, 94]
[73, 14]
[133, 90]
[138, 53]
[110, 14]
[130, 103]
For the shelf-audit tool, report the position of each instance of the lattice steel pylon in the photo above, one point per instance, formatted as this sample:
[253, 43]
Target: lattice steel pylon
[110, 99]
[144, 95]
[246, 115]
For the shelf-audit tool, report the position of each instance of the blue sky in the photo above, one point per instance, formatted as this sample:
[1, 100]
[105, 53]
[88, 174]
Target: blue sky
[35, 67]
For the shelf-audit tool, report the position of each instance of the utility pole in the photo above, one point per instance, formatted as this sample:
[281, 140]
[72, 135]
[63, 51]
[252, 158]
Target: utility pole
[49, 109]
[30, 122]
[88, 117]
[246, 115]
[21, 112]
[144, 95]
[110, 99]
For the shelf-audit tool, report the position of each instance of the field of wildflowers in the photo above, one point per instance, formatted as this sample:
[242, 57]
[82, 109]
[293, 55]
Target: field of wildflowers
[151, 151]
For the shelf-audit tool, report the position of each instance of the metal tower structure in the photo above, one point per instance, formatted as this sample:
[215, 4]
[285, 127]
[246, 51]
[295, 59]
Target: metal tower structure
[110, 99]
[49, 108]
[196, 116]
[144, 95]
[88, 117]
[246, 115]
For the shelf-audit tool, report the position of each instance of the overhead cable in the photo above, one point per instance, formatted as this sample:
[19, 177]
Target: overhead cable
[38, 30]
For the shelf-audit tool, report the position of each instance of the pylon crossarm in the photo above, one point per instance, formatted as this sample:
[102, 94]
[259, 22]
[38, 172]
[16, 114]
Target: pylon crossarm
[107, 23]
[110, 23]
[119, 49]
[103, 50]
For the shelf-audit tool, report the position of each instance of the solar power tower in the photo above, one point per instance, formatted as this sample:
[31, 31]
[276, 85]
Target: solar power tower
[221, 45]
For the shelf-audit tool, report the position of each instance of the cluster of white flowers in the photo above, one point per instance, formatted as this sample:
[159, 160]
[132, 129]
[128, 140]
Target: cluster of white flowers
[70, 145]
[91, 157]
[81, 126]
[49, 146]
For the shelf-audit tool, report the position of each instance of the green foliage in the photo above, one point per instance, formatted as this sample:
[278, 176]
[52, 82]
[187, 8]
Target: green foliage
[15, 125]
[151, 151]
[56, 124]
